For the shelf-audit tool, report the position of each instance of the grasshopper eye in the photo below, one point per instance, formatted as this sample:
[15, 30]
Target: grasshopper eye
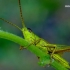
[29, 29]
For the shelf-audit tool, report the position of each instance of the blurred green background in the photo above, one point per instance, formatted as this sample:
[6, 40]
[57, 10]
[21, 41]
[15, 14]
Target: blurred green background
[48, 19]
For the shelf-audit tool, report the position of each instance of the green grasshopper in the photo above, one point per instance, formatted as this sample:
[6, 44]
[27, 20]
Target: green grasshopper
[52, 49]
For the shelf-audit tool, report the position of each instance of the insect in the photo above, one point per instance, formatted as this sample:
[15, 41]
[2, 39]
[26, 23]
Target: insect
[53, 49]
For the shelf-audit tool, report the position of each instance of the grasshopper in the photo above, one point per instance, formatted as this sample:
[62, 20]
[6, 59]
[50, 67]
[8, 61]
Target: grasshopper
[53, 49]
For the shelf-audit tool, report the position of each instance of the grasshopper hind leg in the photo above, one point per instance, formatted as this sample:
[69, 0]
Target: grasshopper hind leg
[51, 53]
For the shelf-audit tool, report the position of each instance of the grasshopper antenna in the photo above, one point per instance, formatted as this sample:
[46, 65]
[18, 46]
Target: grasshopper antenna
[21, 14]
[11, 24]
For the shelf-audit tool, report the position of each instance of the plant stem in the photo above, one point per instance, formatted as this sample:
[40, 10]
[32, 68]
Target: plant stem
[32, 48]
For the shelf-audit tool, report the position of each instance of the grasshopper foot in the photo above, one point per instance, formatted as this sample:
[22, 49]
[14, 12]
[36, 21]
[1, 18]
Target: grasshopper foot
[21, 48]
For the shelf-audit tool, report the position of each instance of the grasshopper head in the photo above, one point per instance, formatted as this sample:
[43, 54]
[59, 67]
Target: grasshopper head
[28, 35]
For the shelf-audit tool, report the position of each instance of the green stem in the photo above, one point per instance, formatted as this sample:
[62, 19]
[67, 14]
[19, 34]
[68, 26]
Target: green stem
[32, 48]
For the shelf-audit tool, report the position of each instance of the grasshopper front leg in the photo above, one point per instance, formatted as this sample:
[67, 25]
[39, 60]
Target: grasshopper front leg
[22, 47]
[34, 43]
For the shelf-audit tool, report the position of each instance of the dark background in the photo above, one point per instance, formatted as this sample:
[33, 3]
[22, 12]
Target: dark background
[48, 19]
